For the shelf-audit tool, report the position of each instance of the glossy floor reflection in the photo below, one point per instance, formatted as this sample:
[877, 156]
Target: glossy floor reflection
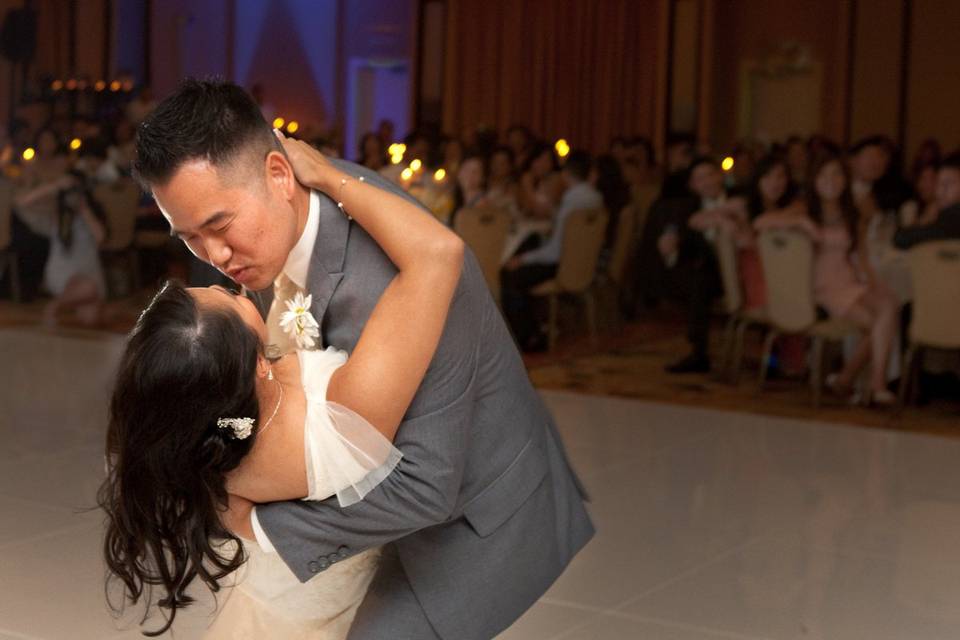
[711, 524]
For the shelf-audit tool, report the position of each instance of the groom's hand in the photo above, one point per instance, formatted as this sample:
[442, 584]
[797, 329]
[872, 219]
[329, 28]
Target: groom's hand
[236, 517]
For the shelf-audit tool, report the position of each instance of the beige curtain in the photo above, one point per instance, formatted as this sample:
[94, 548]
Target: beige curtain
[584, 70]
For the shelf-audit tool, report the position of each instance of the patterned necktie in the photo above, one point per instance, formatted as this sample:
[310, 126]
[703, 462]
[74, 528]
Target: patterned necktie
[279, 342]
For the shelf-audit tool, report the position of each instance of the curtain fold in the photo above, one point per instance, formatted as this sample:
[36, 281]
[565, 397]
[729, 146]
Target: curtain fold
[584, 70]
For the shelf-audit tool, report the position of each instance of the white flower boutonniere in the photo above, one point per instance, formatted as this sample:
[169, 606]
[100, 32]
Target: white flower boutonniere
[299, 323]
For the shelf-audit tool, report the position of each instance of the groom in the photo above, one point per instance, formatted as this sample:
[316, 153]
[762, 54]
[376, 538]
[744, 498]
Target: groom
[483, 512]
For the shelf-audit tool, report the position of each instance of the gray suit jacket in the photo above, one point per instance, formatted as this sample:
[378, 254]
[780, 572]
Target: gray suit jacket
[484, 509]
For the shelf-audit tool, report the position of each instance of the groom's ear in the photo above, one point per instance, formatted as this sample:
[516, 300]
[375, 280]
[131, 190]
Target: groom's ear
[280, 176]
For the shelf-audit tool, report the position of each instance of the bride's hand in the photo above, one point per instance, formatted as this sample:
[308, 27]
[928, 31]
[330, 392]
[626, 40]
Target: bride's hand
[310, 166]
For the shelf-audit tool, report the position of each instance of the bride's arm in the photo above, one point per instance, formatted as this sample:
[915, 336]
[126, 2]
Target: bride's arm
[399, 339]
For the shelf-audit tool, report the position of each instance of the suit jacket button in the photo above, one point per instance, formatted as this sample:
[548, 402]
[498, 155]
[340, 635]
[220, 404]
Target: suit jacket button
[314, 567]
[333, 558]
[323, 563]
[342, 552]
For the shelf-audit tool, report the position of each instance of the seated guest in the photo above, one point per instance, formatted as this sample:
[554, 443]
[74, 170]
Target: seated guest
[525, 271]
[689, 264]
[520, 141]
[946, 225]
[502, 187]
[771, 188]
[540, 183]
[640, 168]
[616, 195]
[371, 153]
[877, 182]
[927, 154]
[469, 190]
[452, 155]
[679, 158]
[922, 209]
[830, 218]
[798, 158]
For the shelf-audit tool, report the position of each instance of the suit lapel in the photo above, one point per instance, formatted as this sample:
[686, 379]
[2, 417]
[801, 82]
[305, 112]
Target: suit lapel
[326, 263]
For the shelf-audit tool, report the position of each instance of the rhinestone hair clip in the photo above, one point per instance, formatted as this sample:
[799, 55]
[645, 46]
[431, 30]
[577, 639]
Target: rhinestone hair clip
[241, 427]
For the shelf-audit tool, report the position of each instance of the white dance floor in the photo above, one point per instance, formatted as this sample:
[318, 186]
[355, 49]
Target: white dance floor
[710, 524]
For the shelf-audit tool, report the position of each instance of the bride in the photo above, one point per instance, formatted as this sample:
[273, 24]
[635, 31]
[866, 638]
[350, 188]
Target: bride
[200, 418]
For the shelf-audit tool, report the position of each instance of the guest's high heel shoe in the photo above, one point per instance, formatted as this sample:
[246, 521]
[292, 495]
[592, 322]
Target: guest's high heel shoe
[881, 398]
[832, 382]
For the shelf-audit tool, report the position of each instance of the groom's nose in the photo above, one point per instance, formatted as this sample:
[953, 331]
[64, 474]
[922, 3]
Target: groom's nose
[218, 252]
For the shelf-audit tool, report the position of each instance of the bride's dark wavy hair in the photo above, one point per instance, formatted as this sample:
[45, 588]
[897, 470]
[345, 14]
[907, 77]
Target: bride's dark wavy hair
[184, 367]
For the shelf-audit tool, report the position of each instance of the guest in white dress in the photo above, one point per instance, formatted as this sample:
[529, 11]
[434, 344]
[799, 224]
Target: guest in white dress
[73, 274]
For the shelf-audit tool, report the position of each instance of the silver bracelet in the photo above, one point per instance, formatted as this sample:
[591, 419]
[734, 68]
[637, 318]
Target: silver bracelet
[343, 182]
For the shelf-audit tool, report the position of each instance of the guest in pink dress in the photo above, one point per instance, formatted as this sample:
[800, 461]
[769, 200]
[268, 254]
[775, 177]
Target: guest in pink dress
[830, 218]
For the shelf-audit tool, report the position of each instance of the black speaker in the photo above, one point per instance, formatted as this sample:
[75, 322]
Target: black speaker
[18, 35]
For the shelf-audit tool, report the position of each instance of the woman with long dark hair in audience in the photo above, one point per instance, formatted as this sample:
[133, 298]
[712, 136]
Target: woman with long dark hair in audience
[830, 217]
[502, 187]
[540, 183]
[469, 190]
[371, 154]
[922, 209]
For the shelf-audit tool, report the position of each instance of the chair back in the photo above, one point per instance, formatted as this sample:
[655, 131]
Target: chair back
[6, 213]
[119, 200]
[935, 271]
[485, 231]
[787, 259]
[583, 236]
[623, 242]
[726, 250]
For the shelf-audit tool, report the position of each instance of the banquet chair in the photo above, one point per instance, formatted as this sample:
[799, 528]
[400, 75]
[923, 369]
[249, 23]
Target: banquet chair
[643, 197]
[485, 231]
[583, 237]
[624, 243]
[119, 201]
[739, 320]
[935, 271]
[787, 259]
[8, 255]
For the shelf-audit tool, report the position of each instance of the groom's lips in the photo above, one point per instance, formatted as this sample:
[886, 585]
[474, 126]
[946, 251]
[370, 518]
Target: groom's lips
[237, 275]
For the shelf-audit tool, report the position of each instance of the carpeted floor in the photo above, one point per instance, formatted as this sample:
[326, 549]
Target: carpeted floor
[627, 362]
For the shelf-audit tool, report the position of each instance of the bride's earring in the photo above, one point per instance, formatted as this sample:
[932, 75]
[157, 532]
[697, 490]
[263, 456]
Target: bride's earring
[270, 374]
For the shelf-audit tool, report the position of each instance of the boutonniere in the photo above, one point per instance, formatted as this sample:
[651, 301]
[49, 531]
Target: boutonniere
[299, 323]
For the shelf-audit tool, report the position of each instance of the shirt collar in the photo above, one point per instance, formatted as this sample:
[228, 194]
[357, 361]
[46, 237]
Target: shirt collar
[297, 266]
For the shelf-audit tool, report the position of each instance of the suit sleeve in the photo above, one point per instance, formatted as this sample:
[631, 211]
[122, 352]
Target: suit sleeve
[423, 489]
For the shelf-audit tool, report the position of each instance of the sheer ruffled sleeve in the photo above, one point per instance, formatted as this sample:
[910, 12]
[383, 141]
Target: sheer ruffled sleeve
[346, 456]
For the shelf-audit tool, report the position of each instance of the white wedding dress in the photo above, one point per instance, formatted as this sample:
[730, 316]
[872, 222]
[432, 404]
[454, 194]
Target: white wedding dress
[346, 457]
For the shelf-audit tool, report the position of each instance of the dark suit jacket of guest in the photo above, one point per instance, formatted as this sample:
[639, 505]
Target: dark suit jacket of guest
[945, 227]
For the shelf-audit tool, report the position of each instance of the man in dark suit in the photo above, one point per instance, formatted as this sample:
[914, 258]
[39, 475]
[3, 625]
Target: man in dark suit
[680, 262]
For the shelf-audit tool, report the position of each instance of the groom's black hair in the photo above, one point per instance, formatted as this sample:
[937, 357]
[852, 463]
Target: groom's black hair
[209, 119]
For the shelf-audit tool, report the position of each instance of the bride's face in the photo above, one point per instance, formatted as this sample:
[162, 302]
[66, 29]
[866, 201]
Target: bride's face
[220, 298]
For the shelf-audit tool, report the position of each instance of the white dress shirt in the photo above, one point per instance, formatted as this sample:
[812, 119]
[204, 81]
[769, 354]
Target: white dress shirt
[296, 268]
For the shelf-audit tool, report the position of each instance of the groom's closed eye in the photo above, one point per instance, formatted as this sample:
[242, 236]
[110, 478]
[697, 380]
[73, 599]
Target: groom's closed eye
[218, 220]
